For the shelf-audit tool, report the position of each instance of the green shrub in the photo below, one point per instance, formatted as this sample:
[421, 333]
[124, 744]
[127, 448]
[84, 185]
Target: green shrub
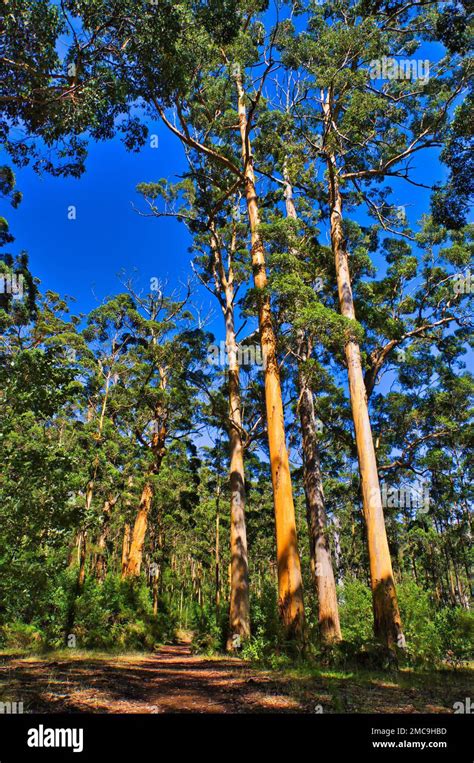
[21, 636]
[355, 612]
[117, 614]
[209, 630]
[456, 630]
[423, 641]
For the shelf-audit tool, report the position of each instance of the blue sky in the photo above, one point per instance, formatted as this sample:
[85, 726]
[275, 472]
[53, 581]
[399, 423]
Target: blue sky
[82, 257]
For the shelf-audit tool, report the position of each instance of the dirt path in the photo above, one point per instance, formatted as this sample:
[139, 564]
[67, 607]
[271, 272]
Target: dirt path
[175, 680]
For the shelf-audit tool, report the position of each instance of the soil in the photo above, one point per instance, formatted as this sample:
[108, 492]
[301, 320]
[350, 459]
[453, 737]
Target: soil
[174, 680]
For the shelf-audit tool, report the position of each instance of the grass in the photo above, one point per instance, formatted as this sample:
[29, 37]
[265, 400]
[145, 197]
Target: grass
[87, 680]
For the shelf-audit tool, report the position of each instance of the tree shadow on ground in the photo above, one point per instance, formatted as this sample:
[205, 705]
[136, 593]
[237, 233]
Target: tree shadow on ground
[174, 680]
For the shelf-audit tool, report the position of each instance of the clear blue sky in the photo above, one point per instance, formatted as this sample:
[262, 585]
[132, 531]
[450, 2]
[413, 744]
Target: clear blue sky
[82, 257]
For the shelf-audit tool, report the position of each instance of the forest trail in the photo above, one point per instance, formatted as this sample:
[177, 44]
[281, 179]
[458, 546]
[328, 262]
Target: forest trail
[174, 680]
[171, 680]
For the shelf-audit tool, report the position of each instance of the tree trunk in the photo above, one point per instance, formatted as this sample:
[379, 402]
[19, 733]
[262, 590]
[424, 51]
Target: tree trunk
[320, 554]
[155, 589]
[125, 547]
[290, 584]
[101, 565]
[82, 560]
[239, 610]
[321, 563]
[387, 623]
[139, 531]
[217, 562]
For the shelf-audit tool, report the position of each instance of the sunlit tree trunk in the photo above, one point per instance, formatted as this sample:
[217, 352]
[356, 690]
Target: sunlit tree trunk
[91, 487]
[217, 560]
[125, 547]
[101, 564]
[290, 585]
[82, 560]
[320, 554]
[387, 622]
[139, 531]
[155, 588]
[157, 447]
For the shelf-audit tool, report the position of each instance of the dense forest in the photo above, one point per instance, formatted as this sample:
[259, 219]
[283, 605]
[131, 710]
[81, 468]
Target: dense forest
[290, 481]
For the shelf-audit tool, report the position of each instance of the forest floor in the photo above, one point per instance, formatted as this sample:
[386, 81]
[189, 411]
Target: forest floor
[175, 680]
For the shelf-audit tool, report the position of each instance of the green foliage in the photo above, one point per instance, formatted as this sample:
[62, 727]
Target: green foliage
[209, 630]
[456, 630]
[423, 640]
[83, 399]
[17, 635]
[115, 615]
[355, 611]
[268, 643]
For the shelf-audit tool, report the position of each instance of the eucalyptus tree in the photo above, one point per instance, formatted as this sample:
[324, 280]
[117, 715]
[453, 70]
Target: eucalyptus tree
[212, 215]
[50, 94]
[106, 337]
[418, 324]
[298, 271]
[192, 57]
[155, 396]
[363, 134]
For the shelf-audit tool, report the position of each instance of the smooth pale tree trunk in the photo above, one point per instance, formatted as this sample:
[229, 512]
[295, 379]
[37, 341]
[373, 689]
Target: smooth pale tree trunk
[74, 553]
[125, 547]
[320, 554]
[91, 487]
[290, 584]
[387, 622]
[83, 537]
[101, 565]
[217, 561]
[155, 588]
[82, 560]
[239, 609]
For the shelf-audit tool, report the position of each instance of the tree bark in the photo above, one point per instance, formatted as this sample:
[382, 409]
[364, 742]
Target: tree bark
[101, 564]
[134, 561]
[217, 561]
[239, 609]
[320, 554]
[139, 530]
[125, 547]
[82, 560]
[387, 622]
[290, 584]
